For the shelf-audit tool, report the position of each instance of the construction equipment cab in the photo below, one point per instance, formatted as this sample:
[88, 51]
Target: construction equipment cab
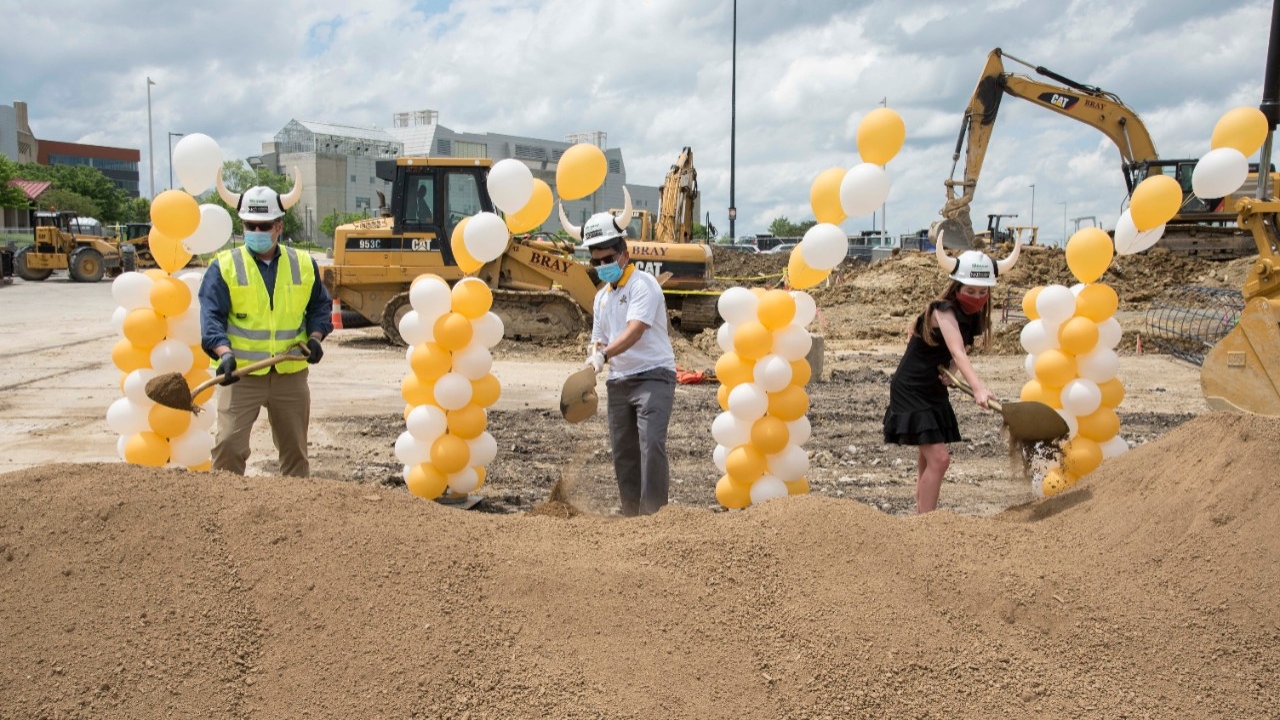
[1204, 226]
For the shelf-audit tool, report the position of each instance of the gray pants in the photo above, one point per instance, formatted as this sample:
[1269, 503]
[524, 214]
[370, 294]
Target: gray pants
[288, 401]
[639, 411]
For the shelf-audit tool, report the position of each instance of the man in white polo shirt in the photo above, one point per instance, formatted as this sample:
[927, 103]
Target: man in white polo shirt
[629, 332]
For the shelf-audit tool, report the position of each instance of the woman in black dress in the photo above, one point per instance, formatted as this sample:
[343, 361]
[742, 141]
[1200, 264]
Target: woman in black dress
[920, 410]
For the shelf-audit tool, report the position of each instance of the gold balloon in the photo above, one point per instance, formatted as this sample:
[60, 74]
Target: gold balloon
[129, 357]
[485, 391]
[1055, 481]
[168, 251]
[1081, 456]
[732, 495]
[450, 453]
[798, 487]
[776, 309]
[789, 403]
[416, 392]
[752, 340]
[168, 422]
[467, 422]
[453, 331]
[197, 377]
[1112, 392]
[1243, 128]
[1055, 368]
[1078, 335]
[824, 196]
[1100, 425]
[801, 372]
[745, 464]
[146, 448]
[144, 327]
[732, 370]
[1089, 252]
[535, 212]
[1155, 201]
[801, 275]
[1036, 391]
[174, 213]
[466, 262]
[1029, 303]
[426, 481]
[722, 397]
[429, 361]
[471, 298]
[770, 435]
[170, 296]
[1097, 301]
[880, 135]
[582, 169]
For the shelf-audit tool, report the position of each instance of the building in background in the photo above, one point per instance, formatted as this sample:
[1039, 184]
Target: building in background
[120, 165]
[16, 140]
[338, 161]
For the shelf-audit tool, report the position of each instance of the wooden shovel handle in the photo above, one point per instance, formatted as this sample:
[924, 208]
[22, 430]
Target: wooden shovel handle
[241, 371]
[960, 383]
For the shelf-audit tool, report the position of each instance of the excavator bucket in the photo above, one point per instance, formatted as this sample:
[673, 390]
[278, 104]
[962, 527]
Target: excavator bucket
[1242, 371]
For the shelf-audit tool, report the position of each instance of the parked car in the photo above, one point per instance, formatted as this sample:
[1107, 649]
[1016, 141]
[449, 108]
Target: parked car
[783, 248]
[741, 247]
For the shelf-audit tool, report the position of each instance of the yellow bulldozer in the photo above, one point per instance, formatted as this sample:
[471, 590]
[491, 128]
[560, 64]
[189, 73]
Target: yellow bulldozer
[1203, 227]
[540, 289]
[64, 243]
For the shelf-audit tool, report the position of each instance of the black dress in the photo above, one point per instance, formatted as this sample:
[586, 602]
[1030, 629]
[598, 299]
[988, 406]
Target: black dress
[920, 410]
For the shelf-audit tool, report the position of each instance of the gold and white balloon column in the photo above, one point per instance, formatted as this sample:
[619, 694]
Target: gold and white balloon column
[449, 386]
[763, 373]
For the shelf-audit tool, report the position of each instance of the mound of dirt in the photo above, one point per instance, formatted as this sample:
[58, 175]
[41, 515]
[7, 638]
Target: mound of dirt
[1149, 590]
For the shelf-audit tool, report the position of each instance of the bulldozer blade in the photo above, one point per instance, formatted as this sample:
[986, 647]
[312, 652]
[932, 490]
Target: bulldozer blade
[1241, 373]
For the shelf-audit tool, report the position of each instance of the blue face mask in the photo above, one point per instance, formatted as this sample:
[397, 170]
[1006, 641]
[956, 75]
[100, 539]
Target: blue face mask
[610, 273]
[258, 241]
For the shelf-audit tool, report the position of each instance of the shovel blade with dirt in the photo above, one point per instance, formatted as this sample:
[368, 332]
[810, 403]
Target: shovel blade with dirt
[171, 389]
[578, 397]
[1027, 420]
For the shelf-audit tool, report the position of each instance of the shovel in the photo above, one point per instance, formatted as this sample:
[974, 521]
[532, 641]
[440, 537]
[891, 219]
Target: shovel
[578, 398]
[1030, 421]
[171, 391]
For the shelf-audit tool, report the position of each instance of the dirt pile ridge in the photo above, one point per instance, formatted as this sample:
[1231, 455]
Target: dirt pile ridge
[1152, 590]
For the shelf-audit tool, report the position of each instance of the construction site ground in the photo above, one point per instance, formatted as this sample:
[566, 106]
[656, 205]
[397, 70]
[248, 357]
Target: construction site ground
[1150, 590]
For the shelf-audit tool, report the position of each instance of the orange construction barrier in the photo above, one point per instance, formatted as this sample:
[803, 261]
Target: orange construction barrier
[335, 316]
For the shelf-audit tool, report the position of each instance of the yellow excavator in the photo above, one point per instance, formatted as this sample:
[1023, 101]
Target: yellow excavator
[540, 289]
[1242, 371]
[1204, 227]
[677, 206]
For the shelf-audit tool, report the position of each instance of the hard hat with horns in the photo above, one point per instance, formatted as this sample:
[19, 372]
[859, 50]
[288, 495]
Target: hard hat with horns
[261, 203]
[601, 228]
[974, 267]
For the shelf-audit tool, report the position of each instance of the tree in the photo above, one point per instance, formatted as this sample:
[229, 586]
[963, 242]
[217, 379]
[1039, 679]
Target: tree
[238, 177]
[59, 199]
[138, 210]
[782, 227]
[330, 223]
[700, 232]
[10, 196]
[82, 180]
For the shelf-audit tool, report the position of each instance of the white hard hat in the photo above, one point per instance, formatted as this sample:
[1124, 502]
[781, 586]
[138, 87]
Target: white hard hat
[601, 228]
[974, 267]
[261, 203]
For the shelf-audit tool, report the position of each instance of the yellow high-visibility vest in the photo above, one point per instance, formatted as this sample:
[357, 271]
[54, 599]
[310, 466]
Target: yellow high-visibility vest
[257, 328]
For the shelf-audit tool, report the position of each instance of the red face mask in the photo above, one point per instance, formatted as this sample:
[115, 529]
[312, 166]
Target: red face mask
[971, 304]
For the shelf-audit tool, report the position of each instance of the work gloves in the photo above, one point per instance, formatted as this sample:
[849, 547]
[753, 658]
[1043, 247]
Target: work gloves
[226, 368]
[596, 360]
[317, 352]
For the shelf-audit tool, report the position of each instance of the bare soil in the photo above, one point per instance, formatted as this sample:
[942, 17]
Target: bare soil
[1150, 590]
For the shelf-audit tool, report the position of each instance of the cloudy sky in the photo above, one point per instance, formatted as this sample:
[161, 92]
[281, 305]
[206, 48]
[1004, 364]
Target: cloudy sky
[655, 75]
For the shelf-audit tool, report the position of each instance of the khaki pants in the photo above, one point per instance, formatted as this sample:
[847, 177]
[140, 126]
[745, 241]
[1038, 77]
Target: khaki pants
[288, 401]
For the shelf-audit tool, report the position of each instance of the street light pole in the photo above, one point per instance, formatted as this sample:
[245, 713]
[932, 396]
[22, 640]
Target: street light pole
[733, 126]
[151, 143]
[1064, 223]
[1033, 204]
[171, 136]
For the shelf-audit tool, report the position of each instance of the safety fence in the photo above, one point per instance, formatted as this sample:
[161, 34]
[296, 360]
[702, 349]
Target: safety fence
[1187, 320]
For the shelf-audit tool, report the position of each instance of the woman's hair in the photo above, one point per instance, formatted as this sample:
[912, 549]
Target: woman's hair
[949, 296]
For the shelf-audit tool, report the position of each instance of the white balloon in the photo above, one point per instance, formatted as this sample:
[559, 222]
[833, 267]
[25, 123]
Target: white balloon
[729, 431]
[487, 330]
[748, 402]
[1075, 289]
[1129, 241]
[473, 362]
[426, 422]
[483, 449]
[863, 189]
[132, 290]
[1109, 333]
[485, 236]
[718, 457]
[452, 391]
[1100, 365]
[171, 356]
[125, 417]
[823, 246]
[408, 354]
[800, 430]
[135, 387]
[1038, 336]
[412, 451]
[192, 278]
[464, 481]
[1030, 366]
[185, 327]
[767, 488]
[737, 305]
[117, 319]
[412, 329]
[208, 413]
[1081, 397]
[1114, 447]
[772, 373]
[1055, 304]
[1219, 173]
[197, 160]
[790, 464]
[510, 185]
[191, 448]
[792, 343]
[724, 336]
[212, 233]
[1073, 425]
[431, 297]
[120, 443]
[806, 308]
